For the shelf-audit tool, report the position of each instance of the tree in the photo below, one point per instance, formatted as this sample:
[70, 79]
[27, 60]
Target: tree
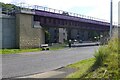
[93, 34]
[6, 8]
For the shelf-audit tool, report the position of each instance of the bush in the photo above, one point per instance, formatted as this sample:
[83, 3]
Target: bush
[101, 55]
[107, 59]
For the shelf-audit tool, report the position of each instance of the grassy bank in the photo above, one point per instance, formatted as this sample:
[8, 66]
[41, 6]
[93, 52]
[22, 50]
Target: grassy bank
[14, 51]
[105, 64]
[57, 46]
[81, 67]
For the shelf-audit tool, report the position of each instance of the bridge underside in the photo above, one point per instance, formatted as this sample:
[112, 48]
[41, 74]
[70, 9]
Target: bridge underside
[61, 30]
[62, 23]
[31, 28]
[74, 30]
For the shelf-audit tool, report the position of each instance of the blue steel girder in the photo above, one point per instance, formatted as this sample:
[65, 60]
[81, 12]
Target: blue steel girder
[59, 20]
[56, 22]
[56, 15]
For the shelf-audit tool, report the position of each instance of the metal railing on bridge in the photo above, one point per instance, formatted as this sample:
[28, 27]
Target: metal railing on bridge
[36, 7]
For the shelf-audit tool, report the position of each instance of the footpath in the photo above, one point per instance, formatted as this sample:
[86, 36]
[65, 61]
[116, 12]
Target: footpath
[58, 73]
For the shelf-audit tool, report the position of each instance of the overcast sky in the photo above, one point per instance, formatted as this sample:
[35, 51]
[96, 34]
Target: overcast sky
[95, 8]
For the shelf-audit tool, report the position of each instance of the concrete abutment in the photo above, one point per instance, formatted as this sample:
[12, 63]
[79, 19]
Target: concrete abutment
[28, 36]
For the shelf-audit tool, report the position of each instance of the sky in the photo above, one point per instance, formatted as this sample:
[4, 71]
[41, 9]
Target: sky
[94, 8]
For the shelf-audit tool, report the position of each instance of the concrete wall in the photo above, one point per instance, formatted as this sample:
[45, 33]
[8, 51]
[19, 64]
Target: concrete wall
[57, 35]
[8, 31]
[0, 43]
[28, 36]
[62, 35]
[0, 31]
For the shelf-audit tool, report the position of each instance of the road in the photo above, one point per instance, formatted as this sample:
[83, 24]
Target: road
[16, 65]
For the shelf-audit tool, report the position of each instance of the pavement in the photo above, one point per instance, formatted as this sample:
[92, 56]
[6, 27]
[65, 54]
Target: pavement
[57, 73]
[30, 63]
[85, 44]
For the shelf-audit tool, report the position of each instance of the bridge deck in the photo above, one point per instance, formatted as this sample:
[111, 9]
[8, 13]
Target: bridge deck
[68, 17]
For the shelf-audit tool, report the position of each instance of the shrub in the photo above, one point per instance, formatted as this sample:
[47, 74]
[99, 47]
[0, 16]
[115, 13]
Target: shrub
[101, 55]
[107, 58]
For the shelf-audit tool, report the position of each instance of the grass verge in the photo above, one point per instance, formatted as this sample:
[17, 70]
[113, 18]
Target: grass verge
[104, 65]
[57, 46]
[15, 51]
[81, 66]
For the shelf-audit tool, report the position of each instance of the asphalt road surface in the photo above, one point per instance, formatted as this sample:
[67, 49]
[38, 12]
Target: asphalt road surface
[16, 65]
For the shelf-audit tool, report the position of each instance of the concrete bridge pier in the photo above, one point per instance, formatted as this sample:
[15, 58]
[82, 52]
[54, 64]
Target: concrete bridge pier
[69, 30]
[62, 35]
[28, 35]
[85, 35]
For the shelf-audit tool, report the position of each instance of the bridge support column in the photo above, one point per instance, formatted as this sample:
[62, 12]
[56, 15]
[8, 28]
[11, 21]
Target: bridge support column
[85, 35]
[74, 34]
[69, 33]
[27, 35]
[62, 35]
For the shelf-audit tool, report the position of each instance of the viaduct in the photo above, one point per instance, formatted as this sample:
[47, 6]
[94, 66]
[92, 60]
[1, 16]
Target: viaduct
[26, 28]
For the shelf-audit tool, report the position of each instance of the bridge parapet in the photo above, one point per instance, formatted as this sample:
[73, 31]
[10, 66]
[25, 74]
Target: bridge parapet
[59, 12]
[41, 8]
[60, 16]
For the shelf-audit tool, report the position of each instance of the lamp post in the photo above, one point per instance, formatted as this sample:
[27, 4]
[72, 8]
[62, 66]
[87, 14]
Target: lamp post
[111, 18]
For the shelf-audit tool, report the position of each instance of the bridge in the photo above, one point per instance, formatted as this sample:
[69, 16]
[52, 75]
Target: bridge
[58, 18]
[33, 21]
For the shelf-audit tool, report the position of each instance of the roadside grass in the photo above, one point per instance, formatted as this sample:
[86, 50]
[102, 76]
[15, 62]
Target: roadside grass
[57, 46]
[104, 65]
[15, 51]
[81, 66]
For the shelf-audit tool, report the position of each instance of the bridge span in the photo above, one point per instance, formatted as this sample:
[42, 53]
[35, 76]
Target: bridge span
[58, 18]
[38, 25]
